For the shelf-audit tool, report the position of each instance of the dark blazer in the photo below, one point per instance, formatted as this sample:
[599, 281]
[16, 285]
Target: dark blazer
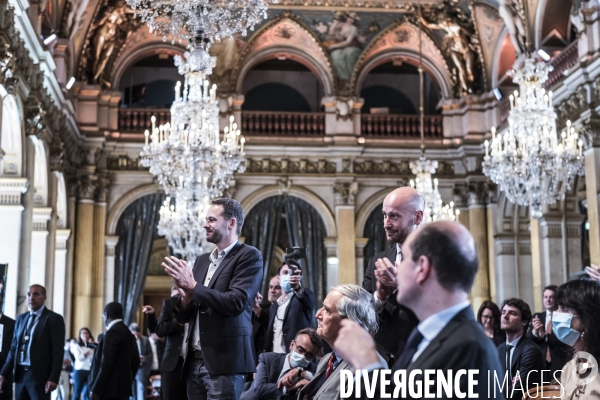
[270, 366]
[225, 307]
[46, 351]
[462, 344]
[396, 322]
[560, 353]
[7, 337]
[143, 372]
[526, 357]
[172, 330]
[115, 363]
[260, 325]
[298, 315]
[499, 337]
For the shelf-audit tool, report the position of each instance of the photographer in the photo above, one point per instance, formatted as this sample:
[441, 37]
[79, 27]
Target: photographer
[292, 312]
[83, 351]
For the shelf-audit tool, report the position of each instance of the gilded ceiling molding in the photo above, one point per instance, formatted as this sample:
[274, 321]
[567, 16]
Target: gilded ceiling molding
[285, 36]
[400, 42]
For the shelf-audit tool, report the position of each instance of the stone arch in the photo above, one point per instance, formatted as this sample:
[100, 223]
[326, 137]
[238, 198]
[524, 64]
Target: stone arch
[40, 173]
[298, 43]
[499, 60]
[367, 208]
[297, 191]
[401, 42]
[61, 201]
[119, 207]
[11, 139]
[138, 52]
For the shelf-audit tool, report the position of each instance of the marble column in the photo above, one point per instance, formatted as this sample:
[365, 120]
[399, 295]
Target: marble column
[333, 262]
[11, 211]
[109, 268]
[39, 241]
[344, 193]
[478, 228]
[83, 272]
[60, 272]
[491, 211]
[98, 254]
[592, 185]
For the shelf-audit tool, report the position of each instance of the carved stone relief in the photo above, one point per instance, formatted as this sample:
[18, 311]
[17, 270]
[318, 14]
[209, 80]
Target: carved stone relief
[344, 193]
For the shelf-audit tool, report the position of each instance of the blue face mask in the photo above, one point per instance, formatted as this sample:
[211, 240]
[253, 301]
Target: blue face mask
[561, 327]
[285, 283]
[298, 360]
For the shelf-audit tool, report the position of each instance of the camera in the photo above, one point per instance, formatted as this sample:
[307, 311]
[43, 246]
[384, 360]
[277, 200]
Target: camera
[92, 345]
[294, 253]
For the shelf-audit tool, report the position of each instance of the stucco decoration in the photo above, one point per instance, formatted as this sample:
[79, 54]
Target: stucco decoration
[286, 37]
[401, 41]
[489, 26]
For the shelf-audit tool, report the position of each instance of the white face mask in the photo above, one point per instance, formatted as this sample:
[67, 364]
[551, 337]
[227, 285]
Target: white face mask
[561, 327]
[298, 360]
[285, 283]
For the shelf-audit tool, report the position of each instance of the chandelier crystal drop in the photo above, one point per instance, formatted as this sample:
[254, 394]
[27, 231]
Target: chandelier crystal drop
[530, 163]
[435, 209]
[192, 161]
[207, 20]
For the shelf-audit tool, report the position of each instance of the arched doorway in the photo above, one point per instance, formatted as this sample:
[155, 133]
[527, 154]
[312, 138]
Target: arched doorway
[279, 222]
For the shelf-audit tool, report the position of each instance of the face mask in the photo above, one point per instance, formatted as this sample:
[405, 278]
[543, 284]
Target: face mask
[285, 283]
[561, 327]
[298, 360]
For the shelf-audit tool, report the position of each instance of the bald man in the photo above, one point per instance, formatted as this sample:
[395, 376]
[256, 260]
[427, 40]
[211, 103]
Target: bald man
[402, 214]
[434, 280]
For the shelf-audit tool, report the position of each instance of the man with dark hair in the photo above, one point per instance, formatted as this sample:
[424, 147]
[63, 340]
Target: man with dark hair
[172, 386]
[402, 214]
[291, 312]
[37, 349]
[146, 359]
[434, 279]
[522, 359]
[555, 352]
[216, 299]
[280, 375]
[116, 360]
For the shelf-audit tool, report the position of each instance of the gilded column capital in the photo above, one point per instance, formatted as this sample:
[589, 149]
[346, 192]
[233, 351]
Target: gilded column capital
[478, 193]
[344, 193]
[86, 187]
[102, 189]
[460, 193]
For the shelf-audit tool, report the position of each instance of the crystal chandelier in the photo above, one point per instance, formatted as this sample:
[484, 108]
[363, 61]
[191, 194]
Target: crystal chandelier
[528, 161]
[423, 168]
[211, 20]
[428, 188]
[192, 162]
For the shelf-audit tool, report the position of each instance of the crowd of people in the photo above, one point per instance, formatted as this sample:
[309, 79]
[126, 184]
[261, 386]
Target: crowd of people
[215, 338]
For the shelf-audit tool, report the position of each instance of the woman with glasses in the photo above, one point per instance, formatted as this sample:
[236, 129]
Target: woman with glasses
[489, 317]
[577, 323]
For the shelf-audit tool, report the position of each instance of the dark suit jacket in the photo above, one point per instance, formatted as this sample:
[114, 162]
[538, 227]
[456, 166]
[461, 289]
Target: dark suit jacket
[396, 322]
[260, 325]
[270, 366]
[462, 344]
[7, 337]
[143, 372]
[172, 330]
[225, 309]
[526, 357]
[115, 363]
[298, 315]
[46, 351]
[559, 352]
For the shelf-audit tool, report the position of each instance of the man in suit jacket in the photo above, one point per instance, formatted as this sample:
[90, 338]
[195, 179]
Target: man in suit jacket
[217, 300]
[279, 375]
[172, 386]
[37, 349]
[291, 312]
[519, 354]
[402, 214]
[8, 331]
[434, 279]
[142, 378]
[116, 360]
[342, 302]
[556, 353]
[260, 315]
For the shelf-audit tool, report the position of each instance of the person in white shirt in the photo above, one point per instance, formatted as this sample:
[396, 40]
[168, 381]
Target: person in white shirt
[83, 351]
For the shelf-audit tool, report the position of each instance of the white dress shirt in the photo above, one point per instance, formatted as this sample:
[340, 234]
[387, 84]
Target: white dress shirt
[154, 366]
[278, 342]
[214, 265]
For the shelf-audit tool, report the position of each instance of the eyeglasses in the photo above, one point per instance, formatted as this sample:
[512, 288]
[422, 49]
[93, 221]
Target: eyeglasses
[309, 356]
[487, 317]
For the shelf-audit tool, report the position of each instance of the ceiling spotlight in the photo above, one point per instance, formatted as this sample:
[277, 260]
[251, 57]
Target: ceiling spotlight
[50, 39]
[545, 56]
[70, 83]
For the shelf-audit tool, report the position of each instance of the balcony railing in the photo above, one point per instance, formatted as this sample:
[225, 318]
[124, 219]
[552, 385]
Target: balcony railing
[400, 126]
[562, 62]
[282, 124]
[139, 119]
